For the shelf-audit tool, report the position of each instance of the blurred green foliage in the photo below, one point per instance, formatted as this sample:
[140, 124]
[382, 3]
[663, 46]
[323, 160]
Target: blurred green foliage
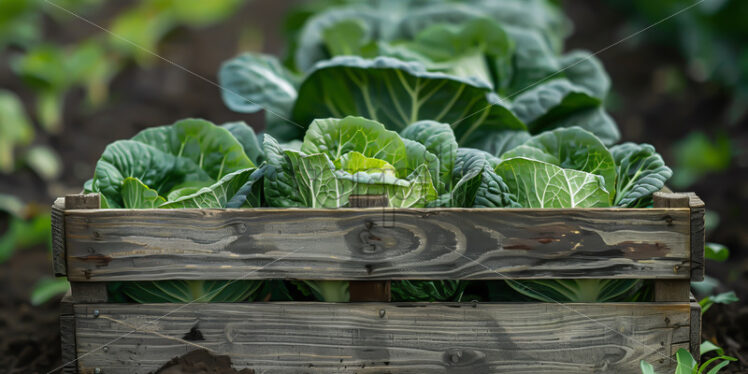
[696, 156]
[51, 70]
[27, 226]
[711, 35]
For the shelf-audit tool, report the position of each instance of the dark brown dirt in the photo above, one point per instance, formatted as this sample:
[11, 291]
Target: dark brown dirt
[201, 361]
[30, 341]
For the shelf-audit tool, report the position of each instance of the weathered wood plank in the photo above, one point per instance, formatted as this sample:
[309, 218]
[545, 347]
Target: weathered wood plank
[58, 237]
[67, 336]
[369, 290]
[393, 338]
[698, 239]
[353, 244]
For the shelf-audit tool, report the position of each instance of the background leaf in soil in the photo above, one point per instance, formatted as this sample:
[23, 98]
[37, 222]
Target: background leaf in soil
[15, 129]
[48, 288]
[540, 106]
[542, 185]
[641, 172]
[716, 252]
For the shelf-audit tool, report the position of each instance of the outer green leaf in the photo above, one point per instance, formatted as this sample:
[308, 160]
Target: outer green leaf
[466, 48]
[542, 185]
[533, 153]
[354, 162]
[571, 148]
[347, 37]
[545, 103]
[212, 148]
[318, 185]
[250, 194]
[336, 137]
[247, 138]
[641, 172]
[312, 46]
[415, 192]
[476, 184]
[438, 139]
[399, 93]
[153, 167]
[594, 120]
[497, 142]
[418, 156]
[252, 82]
[280, 185]
[215, 196]
[136, 195]
[584, 69]
[533, 63]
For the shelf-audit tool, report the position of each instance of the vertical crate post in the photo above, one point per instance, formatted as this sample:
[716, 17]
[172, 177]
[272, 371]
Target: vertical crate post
[369, 290]
[86, 292]
[680, 289]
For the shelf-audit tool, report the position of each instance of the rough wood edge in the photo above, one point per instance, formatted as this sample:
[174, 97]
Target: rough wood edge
[695, 330]
[369, 290]
[59, 255]
[83, 201]
[67, 336]
[698, 239]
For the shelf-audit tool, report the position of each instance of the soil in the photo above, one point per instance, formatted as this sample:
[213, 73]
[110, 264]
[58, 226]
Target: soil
[30, 340]
[142, 97]
[201, 361]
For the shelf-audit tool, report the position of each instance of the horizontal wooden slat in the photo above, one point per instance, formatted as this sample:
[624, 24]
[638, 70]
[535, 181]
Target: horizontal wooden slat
[391, 338]
[369, 244]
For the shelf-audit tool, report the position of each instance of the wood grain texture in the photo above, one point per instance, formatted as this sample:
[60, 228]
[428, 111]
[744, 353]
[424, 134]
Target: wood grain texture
[67, 336]
[391, 338]
[359, 244]
[369, 290]
[58, 237]
[83, 201]
[697, 237]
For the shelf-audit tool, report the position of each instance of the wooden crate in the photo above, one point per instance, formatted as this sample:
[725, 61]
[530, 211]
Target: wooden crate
[94, 246]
